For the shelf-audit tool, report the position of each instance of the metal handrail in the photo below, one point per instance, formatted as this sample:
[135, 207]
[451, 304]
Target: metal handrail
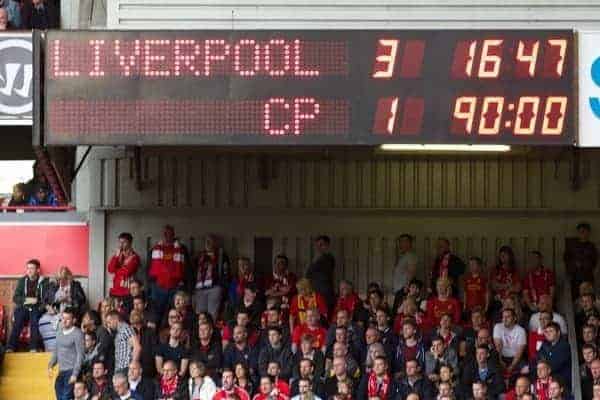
[35, 208]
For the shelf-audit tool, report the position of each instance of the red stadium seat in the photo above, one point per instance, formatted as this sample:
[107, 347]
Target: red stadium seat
[25, 335]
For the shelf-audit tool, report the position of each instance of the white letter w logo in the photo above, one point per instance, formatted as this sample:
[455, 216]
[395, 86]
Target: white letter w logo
[10, 76]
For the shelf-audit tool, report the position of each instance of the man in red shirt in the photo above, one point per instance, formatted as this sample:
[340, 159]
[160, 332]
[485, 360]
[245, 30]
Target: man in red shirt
[476, 293]
[274, 371]
[123, 264]
[539, 281]
[442, 304]
[268, 391]
[166, 269]
[311, 327]
[347, 299]
[228, 388]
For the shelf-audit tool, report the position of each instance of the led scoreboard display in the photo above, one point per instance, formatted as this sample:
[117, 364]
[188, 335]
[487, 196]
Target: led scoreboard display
[308, 87]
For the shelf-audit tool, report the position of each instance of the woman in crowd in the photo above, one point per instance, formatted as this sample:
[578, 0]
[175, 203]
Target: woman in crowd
[200, 385]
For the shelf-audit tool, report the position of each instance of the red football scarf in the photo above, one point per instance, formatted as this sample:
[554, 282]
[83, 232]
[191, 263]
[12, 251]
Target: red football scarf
[380, 389]
[168, 387]
[541, 389]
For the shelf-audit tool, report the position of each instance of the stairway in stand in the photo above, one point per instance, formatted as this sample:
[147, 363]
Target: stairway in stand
[24, 376]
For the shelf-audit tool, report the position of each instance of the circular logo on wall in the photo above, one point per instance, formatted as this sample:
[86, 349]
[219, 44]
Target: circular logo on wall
[16, 76]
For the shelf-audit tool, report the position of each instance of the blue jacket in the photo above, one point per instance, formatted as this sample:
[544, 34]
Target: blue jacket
[400, 362]
[559, 357]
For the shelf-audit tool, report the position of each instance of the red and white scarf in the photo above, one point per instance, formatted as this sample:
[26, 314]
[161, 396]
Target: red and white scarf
[168, 387]
[541, 389]
[207, 265]
[377, 388]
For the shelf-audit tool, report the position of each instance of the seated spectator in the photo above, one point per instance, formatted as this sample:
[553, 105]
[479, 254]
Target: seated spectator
[19, 197]
[124, 263]
[352, 366]
[242, 319]
[340, 374]
[244, 276]
[510, 340]
[122, 389]
[538, 282]
[382, 319]
[14, 15]
[366, 314]
[445, 391]
[414, 382]
[43, 196]
[353, 333]
[483, 369]
[589, 353]
[410, 347]
[442, 304]
[306, 370]
[138, 383]
[409, 309]
[201, 386]
[587, 384]
[228, 388]
[306, 299]
[251, 304]
[307, 351]
[447, 266]
[40, 14]
[347, 300]
[341, 337]
[281, 284]
[589, 335]
[448, 376]
[243, 380]
[345, 391]
[586, 308]
[274, 372]
[80, 390]
[521, 389]
[504, 280]
[276, 351]
[100, 385]
[439, 354]
[171, 384]
[476, 291]
[513, 302]
[477, 322]
[480, 390]
[448, 332]
[29, 305]
[537, 337]
[310, 327]
[267, 391]
[374, 350]
[90, 354]
[557, 352]
[545, 304]
[305, 390]
[239, 351]
[378, 383]
[541, 385]
[273, 318]
[172, 317]
[65, 292]
[557, 389]
[208, 350]
[174, 349]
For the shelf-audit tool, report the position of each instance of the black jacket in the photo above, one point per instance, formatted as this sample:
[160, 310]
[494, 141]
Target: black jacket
[180, 394]
[283, 356]
[422, 387]
[145, 389]
[494, 379]
[20, 295]
[44, 18]
[78, 299]
[320, 274]
[211, 357]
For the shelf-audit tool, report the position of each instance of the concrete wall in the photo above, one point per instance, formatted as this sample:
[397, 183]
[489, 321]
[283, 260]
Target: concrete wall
[363, 200]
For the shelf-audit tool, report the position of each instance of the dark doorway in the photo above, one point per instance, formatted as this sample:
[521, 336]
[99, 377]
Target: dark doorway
[263, 255]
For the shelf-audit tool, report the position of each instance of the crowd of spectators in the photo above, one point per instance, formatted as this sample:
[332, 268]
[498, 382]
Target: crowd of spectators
[34, 193]
[201, 328]
[29, 14]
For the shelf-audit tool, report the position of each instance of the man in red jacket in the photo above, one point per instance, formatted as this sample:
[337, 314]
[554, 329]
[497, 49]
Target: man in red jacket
[166, 270]
[229, 387]
[123, 264]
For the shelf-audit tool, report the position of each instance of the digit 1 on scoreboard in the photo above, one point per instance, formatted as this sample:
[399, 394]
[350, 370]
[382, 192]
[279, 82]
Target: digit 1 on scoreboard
[388, 112]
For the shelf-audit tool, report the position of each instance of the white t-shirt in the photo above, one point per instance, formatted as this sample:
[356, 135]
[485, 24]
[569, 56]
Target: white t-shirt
[512, 339]
[534, 322]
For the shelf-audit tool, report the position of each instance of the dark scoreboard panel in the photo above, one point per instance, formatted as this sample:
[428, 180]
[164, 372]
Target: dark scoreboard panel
[309, 87]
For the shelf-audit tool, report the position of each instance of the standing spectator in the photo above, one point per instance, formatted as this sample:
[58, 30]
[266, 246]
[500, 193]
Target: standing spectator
[14, 19]
[28, 298]
[406, 266]
[581, 258]
[557, 352]
[126, 344]
[148, 341]
[123, 264]
[40, 14]
[510, 340]
[201, 386]
[122, 389]
[68, 354]
[168, 258]
[504, 280]
[447, 266]
[538, 282]
[171, 386]
[210, 277]
[476, 294]
[228, 388]
[138, 384]
[321, 271]
[442, 304]
[281, 284]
